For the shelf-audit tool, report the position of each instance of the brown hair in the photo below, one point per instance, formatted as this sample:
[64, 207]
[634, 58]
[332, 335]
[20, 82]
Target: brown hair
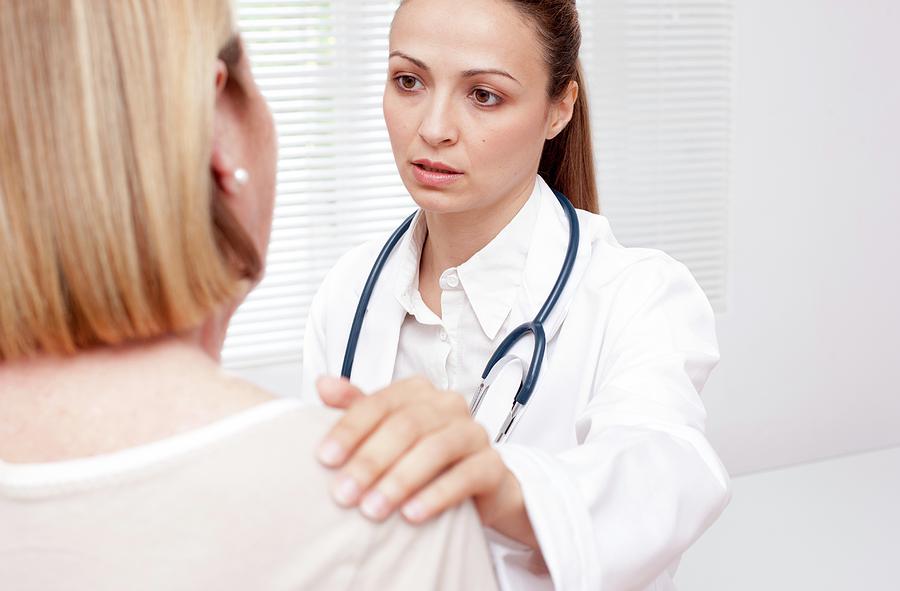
[567, 161]
[110, 230]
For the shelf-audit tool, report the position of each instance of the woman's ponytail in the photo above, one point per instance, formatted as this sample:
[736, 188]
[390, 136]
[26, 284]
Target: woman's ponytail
[567, 161]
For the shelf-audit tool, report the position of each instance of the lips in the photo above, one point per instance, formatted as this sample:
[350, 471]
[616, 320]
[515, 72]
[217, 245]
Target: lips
[439, 167]
[434, 174]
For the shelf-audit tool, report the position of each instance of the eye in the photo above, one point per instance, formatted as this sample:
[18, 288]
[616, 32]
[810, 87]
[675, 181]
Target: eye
[485, 98]
[407, 82]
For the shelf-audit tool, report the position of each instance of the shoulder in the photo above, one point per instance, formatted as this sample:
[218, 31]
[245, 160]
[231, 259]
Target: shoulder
[297, 429]
[629, 285]
[274, 473]
[634, 269]
[279, 452]
[278, 463]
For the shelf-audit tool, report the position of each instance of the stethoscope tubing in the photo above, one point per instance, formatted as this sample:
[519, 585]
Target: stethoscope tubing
[368, 289]
[534, 328]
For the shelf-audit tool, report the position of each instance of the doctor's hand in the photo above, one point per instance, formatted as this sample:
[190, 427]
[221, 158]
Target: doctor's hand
[416, 448]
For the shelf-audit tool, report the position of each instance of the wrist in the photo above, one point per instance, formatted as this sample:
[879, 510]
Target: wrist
[505, 512]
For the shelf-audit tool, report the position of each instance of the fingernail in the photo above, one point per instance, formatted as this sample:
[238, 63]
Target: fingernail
[415, 511]
[375, 506]
[346, 491]
[330, 453]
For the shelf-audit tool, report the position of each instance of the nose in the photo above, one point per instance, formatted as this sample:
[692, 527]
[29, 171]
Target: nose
[438, 126]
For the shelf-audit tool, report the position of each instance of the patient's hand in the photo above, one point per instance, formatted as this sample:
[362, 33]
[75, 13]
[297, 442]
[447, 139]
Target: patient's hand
[416, 447]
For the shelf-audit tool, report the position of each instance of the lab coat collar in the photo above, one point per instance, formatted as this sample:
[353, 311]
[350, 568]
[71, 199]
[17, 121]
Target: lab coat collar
[493, 275]
[409, 252]
[551, 239]
[491, 278]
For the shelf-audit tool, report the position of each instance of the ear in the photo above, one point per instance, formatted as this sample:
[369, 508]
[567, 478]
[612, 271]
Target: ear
[222, 164]
[561, 110]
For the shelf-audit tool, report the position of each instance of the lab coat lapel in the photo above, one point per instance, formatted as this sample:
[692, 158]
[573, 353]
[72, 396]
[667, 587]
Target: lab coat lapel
[542, 266]
[545, 258]
[376, 353]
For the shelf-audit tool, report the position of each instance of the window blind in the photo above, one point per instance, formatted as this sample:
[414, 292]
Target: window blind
[658, 75]
[322, 67]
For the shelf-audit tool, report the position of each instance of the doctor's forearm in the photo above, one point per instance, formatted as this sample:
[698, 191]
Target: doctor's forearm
[505, 512]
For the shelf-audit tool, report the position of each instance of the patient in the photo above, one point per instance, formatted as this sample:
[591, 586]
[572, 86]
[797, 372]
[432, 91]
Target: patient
[137, 167]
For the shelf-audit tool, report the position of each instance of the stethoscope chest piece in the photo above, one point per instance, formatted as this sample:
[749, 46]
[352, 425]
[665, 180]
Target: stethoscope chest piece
[499, 360]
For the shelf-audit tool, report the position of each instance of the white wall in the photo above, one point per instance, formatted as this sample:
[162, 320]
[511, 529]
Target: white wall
[827, 526]
[811, 336]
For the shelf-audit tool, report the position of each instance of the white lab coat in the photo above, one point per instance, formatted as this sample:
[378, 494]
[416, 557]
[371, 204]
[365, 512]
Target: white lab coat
[617, 475]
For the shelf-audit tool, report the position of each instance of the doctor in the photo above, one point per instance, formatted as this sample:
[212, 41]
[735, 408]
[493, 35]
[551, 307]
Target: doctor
[607, 477]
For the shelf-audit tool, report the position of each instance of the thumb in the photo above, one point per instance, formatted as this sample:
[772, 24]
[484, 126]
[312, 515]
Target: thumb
[338, 392]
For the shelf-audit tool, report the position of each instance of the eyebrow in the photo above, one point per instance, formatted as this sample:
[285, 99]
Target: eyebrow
[466, 74]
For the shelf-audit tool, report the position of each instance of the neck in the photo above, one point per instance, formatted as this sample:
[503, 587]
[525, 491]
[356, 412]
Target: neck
[119, 364]
[55, 408]
[453, 238]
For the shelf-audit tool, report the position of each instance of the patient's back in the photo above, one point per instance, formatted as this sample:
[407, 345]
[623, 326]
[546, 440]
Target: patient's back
[237, 504]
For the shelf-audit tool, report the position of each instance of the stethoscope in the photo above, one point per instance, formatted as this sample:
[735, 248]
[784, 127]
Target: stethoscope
[501, 356]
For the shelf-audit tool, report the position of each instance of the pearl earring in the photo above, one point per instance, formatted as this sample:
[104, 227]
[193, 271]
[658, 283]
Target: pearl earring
[241, 177]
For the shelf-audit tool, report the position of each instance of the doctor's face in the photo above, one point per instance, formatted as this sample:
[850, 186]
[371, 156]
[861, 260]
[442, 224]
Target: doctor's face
[466, 103]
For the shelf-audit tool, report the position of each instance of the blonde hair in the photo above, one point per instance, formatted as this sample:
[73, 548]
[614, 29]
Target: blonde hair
[109, 227]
